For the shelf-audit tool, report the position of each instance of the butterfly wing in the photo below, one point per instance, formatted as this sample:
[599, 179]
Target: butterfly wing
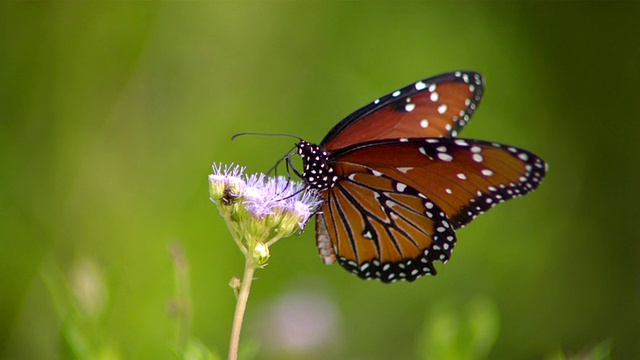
[393, 210]
[379, 228]
[439, 106]
[462, 177]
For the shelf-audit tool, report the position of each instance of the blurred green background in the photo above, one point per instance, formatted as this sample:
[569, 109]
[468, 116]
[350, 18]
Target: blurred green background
[112, 114]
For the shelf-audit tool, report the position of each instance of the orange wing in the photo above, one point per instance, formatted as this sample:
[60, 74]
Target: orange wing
[383, 229]
[439, 106]
[462, 177]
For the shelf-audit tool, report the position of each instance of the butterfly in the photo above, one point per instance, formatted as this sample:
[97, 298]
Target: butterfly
[396, 181]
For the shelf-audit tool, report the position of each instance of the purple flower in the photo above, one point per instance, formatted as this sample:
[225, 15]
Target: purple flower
[267, 196]
[226, 182]
[260, 208]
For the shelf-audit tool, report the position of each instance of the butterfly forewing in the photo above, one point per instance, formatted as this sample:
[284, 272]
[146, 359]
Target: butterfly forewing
[463, 177]
[439, 106]
[383, 229]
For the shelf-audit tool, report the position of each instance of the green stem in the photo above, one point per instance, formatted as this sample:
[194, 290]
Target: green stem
[241, 306]
[231, 227]
[273, 240]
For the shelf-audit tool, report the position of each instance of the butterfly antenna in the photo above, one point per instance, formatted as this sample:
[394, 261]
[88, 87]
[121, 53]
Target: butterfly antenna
[237, 135]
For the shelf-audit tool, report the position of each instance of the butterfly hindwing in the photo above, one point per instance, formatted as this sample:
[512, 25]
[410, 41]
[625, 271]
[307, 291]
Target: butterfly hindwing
[383, 229]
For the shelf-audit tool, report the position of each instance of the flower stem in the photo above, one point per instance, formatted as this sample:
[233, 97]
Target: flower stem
[241, 306]
[243, 249]
[273, 240]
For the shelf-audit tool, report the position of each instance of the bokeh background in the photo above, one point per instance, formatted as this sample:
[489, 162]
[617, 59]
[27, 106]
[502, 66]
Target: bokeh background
[112, 114]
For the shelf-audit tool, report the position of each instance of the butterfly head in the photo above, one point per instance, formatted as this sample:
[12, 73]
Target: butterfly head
[317, 170]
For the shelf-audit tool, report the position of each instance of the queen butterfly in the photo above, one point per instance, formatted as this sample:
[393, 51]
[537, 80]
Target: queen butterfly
[396, 182]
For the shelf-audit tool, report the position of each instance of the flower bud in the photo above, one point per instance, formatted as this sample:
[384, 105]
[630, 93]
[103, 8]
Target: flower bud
[216, 187]
[225, 184]
[260, 254]
[293, 218]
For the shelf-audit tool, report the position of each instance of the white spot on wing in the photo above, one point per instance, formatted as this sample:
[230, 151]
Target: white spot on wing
[400, 187]
[424, 123]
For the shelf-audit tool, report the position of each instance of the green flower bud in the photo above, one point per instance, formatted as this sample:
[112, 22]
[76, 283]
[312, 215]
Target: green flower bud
[260, 254]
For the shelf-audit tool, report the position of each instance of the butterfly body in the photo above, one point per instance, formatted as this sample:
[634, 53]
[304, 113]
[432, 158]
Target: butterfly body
[396, 182]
